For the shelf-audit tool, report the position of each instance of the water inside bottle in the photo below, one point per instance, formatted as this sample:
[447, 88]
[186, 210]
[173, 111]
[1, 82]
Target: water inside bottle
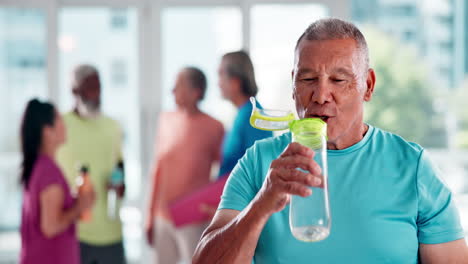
[310, 233]
[309, 216]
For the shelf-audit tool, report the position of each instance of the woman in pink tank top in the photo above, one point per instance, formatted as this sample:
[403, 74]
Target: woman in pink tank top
[49, 212]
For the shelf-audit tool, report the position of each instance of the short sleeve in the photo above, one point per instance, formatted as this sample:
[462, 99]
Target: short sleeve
[240, 188]
[47, 175]
[438, 220]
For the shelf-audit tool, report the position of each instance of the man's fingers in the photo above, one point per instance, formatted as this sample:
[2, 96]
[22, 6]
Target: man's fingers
[296, 188]
[296, 161]
[295, 148]
[296, 175]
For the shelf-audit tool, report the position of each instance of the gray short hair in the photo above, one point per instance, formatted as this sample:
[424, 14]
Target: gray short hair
[81, 72]
[239, 65]
[334, 28]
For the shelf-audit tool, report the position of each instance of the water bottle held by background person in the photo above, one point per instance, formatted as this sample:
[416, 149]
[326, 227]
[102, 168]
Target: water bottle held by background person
[309, 217]
[113, 194]
[85, 186]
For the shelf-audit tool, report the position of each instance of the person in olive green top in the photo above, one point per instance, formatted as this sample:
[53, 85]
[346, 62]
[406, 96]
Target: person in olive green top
[93, 140]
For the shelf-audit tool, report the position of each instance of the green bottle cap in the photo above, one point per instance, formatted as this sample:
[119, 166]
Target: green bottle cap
[308, 132]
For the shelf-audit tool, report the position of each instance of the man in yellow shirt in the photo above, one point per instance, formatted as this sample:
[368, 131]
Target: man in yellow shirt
[93, 140]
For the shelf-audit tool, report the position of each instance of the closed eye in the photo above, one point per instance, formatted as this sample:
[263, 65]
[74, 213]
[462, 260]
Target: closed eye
[338, 80]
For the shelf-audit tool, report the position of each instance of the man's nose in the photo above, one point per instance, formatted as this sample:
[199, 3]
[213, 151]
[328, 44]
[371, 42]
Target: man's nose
[322, 93]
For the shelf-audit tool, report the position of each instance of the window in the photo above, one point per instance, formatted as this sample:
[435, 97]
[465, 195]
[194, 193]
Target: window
[273, 42]
[402, 10]
[409, 36]
[22, 77]
[119, 73]
[118, 18]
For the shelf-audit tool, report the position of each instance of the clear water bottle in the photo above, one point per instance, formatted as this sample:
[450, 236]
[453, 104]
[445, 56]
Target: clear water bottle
[309, 217]
[113, 199]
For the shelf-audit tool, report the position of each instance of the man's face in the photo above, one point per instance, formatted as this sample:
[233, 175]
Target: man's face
[331, 81]
[184, 94]
[89, 93]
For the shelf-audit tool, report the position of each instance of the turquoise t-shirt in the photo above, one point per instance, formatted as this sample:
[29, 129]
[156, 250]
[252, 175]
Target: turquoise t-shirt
[385, 199]
[240, 138]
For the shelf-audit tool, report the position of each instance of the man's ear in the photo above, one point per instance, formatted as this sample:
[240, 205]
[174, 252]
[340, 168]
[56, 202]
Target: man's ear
[199, 94]
[370, 85]
[292, 80]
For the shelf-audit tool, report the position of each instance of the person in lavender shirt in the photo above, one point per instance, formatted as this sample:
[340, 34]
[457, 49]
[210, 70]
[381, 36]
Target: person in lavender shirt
[49, 211]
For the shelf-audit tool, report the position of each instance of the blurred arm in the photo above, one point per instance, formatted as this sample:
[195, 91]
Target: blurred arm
[54, 219]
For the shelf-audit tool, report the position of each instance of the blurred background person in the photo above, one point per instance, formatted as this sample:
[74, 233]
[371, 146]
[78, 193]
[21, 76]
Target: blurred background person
[237, 83]
[188, 144]
[49, 211]
[94, 140]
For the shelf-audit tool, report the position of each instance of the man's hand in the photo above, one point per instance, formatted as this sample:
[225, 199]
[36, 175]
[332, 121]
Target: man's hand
[284, 178]
[120, 189]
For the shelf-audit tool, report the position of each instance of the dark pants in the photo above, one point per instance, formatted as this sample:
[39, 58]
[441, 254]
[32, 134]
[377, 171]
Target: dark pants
[110, 254]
